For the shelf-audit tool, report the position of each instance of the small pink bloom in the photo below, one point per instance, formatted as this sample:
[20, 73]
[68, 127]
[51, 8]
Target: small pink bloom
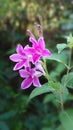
[31, 76]
[38, 49]
[20, 57]
[39, 67]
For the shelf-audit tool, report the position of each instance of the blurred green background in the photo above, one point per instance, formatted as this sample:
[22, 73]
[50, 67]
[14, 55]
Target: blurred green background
[16, 16]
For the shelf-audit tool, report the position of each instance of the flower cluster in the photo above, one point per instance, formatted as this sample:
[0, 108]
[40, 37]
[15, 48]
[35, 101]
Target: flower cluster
[26, 56]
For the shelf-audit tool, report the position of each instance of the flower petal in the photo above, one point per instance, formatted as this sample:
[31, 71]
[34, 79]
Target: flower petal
[35, 57]
[20, 50]
[19, 65]
[33, 41]
[41, 43]
[30, 50]
[23, 73]
[39, 67]
[27, 63]
[26, 83]
[36, 82]
[46, 52]
[38, 73]
[15, 57]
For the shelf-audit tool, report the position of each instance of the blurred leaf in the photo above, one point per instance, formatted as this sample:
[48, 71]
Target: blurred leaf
[60, 47]
[19, 126]
[47, 128]
[67, 26]
[62, 58]
[31, 119]
[2, 104]
[10, 74]
[70, 40]
[60, 128]
[48, 98]
[55, 85]
[19, 36]
[70, 96]
[11, 51]
[69, 80]
[3, 79]
[57, 97]
[66, 119]
[3, 63]
[3, 126]
[60, 68]
[7, 115]
[41, 90]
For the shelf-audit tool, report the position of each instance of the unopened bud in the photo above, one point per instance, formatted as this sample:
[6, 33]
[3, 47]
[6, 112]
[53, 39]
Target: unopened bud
[40, 30]
[30, 33]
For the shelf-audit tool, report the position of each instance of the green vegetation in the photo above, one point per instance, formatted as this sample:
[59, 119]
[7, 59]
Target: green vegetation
[18, 111]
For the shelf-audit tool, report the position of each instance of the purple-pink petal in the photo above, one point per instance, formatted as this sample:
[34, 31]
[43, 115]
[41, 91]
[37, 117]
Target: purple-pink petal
[19, 49]
[36, 57]
[39, 67]
[41, 43]
[19, 65]
[26, 83]
[38, 73]
[33, 41]
[46, 52]
[28, 69]
[30, 50]
[26, 47]
[26, 63]
[23, 73]
[15, 57]
[36, 82]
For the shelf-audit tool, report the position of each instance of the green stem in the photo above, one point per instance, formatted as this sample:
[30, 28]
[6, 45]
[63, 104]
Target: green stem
[65, 82]
[45, 67]
[68, 69]
[61, 98]
[71, 67]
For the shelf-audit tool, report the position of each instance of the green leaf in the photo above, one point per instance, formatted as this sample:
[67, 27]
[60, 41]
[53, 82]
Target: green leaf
[60, 68]
[64, 96]
[70, 97]
[66, 119]
[3, 126]
[69, 80]
[61, 57]
[7, 115]
[46, 128]
[55, 85]
[2, 104]
[48, 98]
[41, 90]
[67, 26]
[60, 128]
[60, 47]
[70, 40]
[11, 51]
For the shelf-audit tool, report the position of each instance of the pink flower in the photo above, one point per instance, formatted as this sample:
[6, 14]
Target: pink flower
[20, 57]
[39, 67]
[31, 76]
[29, 58]
[38, 49]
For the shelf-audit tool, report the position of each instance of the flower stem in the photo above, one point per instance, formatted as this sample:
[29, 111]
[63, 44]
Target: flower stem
[45, 68]
[61, 98]
[68, 69]
[65, 81]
